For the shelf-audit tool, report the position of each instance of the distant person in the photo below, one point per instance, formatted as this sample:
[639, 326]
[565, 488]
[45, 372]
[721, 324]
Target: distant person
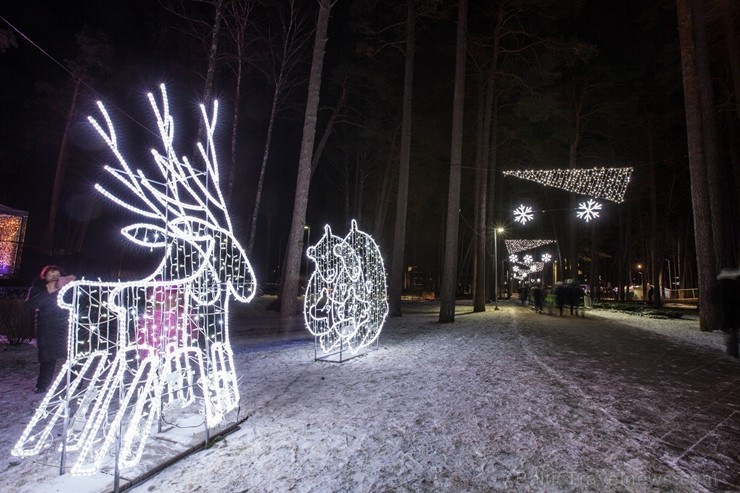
[523, 293]
[561, 296]
[573, 297]
[650, 295]
[537, 297]
[729, 291]
[549, 296]
[51, 322]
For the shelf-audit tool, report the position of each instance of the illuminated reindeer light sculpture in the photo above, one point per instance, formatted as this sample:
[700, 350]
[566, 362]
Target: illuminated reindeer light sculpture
[140, 350]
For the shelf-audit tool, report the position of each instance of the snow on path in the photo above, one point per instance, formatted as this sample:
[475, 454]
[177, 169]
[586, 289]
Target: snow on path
[473, 406]
[459, 407]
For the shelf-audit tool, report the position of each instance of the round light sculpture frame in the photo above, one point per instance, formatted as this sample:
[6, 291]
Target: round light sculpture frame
[346, 301]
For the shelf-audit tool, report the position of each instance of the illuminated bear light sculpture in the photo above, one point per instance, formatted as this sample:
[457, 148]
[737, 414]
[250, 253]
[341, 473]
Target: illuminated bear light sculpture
[346, 300]
[140, 350]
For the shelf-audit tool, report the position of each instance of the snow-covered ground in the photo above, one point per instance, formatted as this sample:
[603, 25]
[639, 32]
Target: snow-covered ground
[488, 403]
[685, 329]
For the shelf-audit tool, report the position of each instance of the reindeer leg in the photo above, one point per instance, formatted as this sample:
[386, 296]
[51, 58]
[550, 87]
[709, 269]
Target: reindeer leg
[88, 461]
[78, 428]
[51, 409]
[178, 377]
[224, 391]
[147, 407]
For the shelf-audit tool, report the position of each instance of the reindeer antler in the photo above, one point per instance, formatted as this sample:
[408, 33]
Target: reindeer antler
[186, 191]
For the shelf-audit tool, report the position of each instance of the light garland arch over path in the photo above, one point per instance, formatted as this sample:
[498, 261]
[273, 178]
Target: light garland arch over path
[605, 183]
[140, 350]
[517, 246]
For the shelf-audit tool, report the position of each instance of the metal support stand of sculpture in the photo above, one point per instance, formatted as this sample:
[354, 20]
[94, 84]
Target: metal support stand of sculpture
[159, 347]
[346, 300]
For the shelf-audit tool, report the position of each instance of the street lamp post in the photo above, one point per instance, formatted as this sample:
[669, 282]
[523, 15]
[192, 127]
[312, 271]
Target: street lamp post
[495, 263]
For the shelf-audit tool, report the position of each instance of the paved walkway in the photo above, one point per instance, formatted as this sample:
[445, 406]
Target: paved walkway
[685, 397]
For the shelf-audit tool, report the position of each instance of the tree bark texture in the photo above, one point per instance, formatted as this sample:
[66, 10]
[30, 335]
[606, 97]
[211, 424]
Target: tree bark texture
[449, 270]
[59, 173]
[708, 311]
[399, 231]
[291, 271]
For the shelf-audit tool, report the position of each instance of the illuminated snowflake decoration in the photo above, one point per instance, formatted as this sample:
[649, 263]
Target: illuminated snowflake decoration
[536, 267]
[516, 268]
[528, 259]
[588, 210]
[546, 257]
[514, 258]
[159, 347]
[522, 214]
[346, 300]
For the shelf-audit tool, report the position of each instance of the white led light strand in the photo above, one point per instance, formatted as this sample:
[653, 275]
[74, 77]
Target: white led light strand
[517, 246]
[605, 183]
[588, 210]
[138, 350]
[346, 300]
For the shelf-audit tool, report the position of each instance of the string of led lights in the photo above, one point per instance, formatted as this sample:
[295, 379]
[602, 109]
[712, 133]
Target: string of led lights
[12, 230]
[142, 349]
[606, 183]
[346, 300]
[517, 246]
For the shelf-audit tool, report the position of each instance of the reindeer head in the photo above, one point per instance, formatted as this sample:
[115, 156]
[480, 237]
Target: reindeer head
[184, 209]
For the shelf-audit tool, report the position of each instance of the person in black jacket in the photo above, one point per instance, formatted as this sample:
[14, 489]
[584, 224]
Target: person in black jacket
[729, 290]
[561, 296]
[51, 322]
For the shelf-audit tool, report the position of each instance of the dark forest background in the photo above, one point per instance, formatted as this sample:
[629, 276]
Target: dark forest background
[579, 83]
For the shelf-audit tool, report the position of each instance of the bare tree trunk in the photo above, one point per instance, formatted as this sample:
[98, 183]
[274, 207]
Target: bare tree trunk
[593, 268]
[347, 192]
[708, 313]
[572, 270]
[359, 180]
[381, 208]
[234, 134]
[656, 238]
[61, 169]
[480, 153]
[624, 242]
[479, 296]
[263, 170]
[213, 51]
[290, 38]
[719, 198]
[329, 128]
[237, 21]
[291, 271]
[491, 202]
[449, 270]
[399, 231]
[732, 43]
